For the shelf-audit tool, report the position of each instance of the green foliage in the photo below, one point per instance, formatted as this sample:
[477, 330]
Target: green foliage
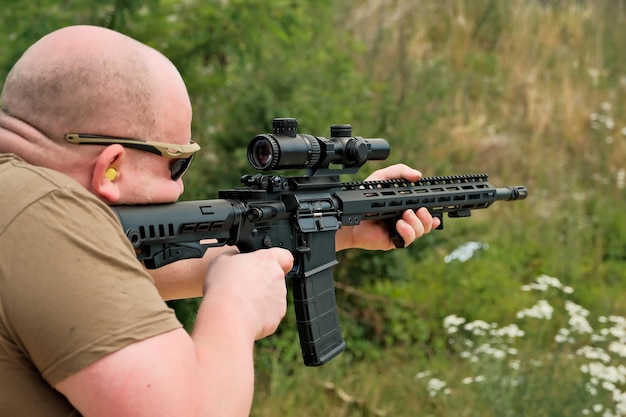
[186, 311]
[24, 23]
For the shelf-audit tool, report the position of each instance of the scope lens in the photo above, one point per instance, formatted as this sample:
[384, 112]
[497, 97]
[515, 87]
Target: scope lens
[269, 152]
[261, 153]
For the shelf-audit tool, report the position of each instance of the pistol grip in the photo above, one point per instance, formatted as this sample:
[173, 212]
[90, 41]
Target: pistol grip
[317, 317]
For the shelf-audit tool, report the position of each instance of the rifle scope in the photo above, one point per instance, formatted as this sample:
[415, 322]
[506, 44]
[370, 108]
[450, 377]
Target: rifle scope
[285, 148]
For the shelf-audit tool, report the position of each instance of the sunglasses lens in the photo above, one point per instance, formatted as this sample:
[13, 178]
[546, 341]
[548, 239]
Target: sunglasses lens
[180, 166]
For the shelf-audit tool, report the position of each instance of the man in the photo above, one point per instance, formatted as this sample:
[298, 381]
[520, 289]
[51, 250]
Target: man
[84, 329]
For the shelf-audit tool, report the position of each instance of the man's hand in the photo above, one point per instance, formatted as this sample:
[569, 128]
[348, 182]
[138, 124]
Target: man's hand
[252, 285]
[373, 235]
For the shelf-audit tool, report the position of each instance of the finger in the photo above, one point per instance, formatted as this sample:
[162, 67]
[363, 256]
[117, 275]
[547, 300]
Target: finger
[427, 220]
[425, 215]
[409, 227]
[284, 258]
[414, 225]
[394, 172]
[226, 251]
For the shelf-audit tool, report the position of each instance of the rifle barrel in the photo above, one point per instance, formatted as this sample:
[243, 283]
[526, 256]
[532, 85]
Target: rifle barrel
[511, 193]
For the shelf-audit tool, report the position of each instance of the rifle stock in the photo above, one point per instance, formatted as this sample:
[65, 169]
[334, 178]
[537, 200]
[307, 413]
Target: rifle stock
[302, 215]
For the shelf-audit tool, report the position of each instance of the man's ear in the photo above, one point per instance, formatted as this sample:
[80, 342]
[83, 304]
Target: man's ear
[106, 174]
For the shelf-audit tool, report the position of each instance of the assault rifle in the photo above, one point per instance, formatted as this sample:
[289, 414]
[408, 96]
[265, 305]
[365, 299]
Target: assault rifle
[302, 214]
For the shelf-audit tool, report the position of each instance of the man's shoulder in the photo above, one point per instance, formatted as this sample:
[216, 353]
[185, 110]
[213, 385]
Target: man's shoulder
[23, 184]
[15, 173]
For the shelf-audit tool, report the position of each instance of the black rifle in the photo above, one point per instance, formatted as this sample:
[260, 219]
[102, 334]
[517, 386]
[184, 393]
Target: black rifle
[302, 214]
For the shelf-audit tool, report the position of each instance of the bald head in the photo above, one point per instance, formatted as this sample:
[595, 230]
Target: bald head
[93, 80]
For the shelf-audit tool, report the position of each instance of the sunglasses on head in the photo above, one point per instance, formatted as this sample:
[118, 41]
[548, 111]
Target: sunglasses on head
[181, 155]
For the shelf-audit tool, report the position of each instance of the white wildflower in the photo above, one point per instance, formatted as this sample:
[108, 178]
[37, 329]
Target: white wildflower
[621, 178]
[563, 336]
[580, 324]
[616, 375]
[591, 389]
[595, 353]
[511, 331]
[436, 385]
[575, 309]
[452, 322]
[541, 310]
[545, 282]
[467, 380]
[577, 320]
[477, 327]
[423, 374]
[619, 398]
[617, 331]
[618, 348]
[596, 338]
[464, 252]
[492, 351]
[549, 281]
[608, 386]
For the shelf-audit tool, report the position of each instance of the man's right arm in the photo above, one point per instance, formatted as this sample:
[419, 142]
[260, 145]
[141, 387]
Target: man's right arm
[185, 278]
[208, 373]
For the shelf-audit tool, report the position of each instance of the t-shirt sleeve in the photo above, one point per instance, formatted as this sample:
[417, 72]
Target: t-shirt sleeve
[74, 290]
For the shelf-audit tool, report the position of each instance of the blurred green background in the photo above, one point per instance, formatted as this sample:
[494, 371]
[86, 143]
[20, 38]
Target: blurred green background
[530, 92]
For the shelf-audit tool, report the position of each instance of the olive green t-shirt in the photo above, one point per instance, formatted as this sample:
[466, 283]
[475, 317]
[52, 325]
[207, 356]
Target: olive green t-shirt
[71, 288]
